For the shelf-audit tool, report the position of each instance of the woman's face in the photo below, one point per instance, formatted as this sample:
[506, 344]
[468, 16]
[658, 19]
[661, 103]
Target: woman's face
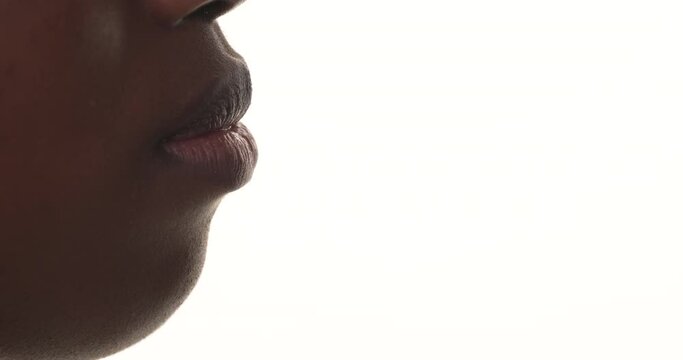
[103, 220]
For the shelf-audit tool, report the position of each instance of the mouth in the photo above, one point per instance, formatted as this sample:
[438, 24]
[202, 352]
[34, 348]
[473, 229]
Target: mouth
[210, 141]
[219, 108]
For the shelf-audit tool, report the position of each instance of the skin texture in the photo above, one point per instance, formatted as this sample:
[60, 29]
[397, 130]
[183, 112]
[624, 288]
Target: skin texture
[100, 239]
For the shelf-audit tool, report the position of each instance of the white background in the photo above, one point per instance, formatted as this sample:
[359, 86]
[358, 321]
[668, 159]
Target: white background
[466, 180]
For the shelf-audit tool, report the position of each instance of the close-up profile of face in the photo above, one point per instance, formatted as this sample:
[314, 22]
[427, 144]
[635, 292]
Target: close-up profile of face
[119, 137]
[309, 180]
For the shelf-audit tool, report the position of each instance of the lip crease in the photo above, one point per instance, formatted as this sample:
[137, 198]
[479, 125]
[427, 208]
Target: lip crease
[212, 143]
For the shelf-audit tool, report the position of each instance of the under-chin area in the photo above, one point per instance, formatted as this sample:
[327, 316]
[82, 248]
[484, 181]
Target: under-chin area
[97, 302]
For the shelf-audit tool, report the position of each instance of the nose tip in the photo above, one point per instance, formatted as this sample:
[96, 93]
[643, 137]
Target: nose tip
[174, 12]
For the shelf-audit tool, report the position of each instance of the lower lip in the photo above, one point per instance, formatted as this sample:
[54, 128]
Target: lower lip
[228, 155]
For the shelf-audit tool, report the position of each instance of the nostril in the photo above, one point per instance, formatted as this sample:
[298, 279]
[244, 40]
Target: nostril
[172, 13]
[211, 11]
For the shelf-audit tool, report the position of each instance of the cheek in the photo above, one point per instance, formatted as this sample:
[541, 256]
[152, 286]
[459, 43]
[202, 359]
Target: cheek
[39, 106]
[87, 253]
[61, 64]
[103, 34]
[58, 98]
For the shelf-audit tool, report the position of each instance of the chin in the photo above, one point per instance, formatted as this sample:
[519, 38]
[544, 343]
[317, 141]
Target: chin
[90, 307]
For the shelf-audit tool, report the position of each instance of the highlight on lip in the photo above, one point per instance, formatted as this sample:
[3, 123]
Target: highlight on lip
[230, 153]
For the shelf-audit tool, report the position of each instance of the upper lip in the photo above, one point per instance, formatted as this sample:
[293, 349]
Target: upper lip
[220, 106]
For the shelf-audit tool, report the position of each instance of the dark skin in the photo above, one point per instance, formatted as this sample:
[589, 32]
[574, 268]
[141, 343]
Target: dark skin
[100, 239]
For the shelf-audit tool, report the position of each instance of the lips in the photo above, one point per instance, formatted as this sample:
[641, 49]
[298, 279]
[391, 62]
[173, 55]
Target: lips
[220, 107]
[210, 142]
